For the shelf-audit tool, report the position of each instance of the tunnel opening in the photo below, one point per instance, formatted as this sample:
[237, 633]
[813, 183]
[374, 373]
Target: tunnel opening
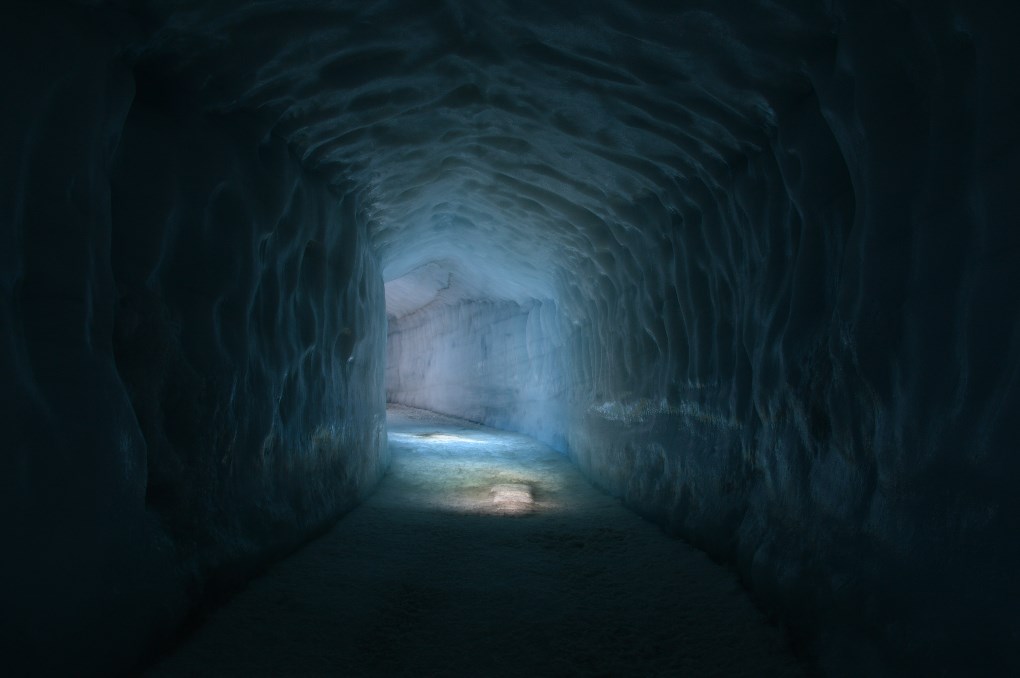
[459, 344]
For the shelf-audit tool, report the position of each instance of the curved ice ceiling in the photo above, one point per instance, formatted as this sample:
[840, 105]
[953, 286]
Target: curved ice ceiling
[514, 145]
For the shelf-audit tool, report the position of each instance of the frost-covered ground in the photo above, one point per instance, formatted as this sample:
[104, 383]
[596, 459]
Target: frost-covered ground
[485, 553]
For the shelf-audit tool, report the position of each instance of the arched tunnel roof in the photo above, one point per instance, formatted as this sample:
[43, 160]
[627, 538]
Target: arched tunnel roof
[510, 147]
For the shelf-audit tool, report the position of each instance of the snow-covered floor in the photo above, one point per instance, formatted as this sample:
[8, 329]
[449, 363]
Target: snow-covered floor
[485, 553]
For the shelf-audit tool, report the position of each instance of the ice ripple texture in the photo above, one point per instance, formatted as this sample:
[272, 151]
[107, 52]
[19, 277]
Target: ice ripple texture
[779, 237]
[193, 352]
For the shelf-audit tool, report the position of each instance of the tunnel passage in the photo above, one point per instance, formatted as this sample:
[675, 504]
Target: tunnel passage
[752, 267]
[485, 358]
[484, 552]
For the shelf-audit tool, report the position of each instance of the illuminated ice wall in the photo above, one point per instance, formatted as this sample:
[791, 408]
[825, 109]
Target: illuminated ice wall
[751, 265]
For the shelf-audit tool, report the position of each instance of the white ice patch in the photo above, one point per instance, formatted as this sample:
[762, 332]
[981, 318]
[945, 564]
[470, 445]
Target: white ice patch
[637, 411]
[512, 497]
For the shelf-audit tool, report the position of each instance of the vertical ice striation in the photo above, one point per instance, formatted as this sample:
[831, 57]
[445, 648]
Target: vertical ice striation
[751, 265]
[193, 352]
[494, 362]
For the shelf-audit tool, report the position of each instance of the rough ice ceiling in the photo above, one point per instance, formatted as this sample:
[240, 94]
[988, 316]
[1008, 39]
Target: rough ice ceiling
[523, 146]
[750, 265]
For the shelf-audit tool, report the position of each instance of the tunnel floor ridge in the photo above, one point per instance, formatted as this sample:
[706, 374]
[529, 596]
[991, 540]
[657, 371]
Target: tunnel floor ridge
[486, 553]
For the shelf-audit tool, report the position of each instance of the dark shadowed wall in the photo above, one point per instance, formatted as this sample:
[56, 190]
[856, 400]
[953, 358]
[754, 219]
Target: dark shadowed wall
[192, 355]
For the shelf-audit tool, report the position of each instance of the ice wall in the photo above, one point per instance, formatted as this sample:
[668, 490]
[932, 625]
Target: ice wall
[815, 376]
[192, 351]
[499, 363]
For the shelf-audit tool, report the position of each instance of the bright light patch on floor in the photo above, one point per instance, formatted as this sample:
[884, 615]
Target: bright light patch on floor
[511, 498]
[495, 559]
[468, 469]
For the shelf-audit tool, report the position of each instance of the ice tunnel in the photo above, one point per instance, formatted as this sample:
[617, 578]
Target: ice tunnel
[752, 267]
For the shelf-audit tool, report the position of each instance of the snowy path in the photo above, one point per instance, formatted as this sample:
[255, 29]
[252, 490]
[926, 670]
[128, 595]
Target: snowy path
[484, 553]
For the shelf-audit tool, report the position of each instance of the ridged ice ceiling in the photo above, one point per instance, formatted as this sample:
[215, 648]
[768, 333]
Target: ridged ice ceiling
[509, 142]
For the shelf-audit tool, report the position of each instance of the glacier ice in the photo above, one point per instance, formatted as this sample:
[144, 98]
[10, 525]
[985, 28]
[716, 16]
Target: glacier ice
[751, 266]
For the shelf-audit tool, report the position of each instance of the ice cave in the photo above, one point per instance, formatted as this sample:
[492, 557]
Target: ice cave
[449, 338]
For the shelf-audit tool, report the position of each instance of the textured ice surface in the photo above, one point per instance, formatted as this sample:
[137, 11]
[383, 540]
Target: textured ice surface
[493, 362]
[485, 553]
[192, 354]
[779, 238]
